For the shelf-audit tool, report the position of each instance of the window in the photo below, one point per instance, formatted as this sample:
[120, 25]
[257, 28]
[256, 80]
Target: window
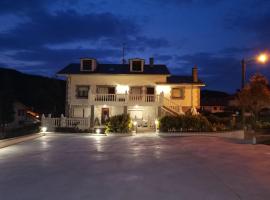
[177, 93]
[136, 65]
[105, 90]
[82, 91]
[87, 65]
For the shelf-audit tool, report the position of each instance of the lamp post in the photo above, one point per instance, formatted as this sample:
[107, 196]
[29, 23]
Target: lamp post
[261, 58]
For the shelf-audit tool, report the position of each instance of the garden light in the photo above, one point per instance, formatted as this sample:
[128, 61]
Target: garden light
[98, 131]
[43, 129]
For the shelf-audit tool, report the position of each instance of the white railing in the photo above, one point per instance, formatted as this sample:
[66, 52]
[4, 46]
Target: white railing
[52, 123]
[125, 98]
[172, 106]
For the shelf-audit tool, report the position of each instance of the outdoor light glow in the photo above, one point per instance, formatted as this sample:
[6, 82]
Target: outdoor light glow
[163, 88]
[104, 106]
[262, 58]
[135, 123]
[156, 122]
[122, 89]
[98, 131]
[44, 129]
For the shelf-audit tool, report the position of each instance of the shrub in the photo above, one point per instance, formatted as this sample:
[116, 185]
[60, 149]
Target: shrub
[71, 130]
[185, 123]
[21, 131]
[118, 124]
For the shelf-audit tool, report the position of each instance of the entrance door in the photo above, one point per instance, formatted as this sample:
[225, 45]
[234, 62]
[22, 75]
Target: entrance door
[104, 115]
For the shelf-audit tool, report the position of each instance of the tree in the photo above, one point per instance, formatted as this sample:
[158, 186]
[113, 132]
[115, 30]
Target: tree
[255, 95]
[6, 109]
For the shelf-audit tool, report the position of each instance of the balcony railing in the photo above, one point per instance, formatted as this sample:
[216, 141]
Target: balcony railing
[125, 98]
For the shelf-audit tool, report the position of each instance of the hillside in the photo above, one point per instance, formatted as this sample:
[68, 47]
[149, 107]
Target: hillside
[44, 95]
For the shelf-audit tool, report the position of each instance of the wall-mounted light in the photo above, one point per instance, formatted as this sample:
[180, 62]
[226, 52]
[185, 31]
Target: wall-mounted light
[122, 89]
[163, 88]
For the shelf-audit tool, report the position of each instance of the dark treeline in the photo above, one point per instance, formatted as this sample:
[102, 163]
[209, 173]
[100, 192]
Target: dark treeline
[42, 94]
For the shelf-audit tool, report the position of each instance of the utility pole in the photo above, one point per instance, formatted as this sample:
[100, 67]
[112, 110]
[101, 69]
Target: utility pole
[243, 65]
[123, 53]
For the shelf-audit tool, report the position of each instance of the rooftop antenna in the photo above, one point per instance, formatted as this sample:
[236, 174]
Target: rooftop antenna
[123, 53]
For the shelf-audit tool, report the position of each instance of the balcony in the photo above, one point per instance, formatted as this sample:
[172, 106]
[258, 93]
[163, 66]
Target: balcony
[125, 99]
[120, 100]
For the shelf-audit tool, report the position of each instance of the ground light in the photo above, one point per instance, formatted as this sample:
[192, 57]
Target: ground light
[135, 123]
[98, 131]
[44, 129]
[156, 125]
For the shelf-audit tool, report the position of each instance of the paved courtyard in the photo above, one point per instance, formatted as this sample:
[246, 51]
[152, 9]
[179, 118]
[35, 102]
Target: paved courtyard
[141, 167]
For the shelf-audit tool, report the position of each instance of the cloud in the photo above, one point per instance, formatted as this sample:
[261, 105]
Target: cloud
[219, 72]
[66, 26]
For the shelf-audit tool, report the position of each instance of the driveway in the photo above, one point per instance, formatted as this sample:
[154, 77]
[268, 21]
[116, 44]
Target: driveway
[141, 167]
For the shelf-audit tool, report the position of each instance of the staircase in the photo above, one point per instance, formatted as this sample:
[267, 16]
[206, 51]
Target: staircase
[171, 107]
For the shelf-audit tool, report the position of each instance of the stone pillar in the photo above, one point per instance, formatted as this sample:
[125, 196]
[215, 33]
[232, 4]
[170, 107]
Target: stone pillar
[159, 111]
[62, 121]
[125, 110]
[92, 116]
[43, 122]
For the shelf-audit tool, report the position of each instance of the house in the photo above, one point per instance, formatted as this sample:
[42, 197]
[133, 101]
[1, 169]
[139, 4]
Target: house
[145, 91]
[217, 102]
[22, 115]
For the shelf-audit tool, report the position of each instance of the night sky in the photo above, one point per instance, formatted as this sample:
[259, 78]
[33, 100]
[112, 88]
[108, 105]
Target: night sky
[41, 37]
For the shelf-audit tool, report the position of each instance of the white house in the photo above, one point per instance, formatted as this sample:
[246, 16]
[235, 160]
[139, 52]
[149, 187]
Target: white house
[146, 91]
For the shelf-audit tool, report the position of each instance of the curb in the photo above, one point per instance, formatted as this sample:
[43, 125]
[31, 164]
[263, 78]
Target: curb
[16, 140]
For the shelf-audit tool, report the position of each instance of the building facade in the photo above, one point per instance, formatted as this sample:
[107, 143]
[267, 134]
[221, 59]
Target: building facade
[144, 91]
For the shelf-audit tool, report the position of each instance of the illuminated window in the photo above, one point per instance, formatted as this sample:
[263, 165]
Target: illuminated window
[82, 91]
[177, 93]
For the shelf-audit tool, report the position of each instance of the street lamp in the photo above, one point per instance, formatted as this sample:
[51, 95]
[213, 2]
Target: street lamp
[262, 58]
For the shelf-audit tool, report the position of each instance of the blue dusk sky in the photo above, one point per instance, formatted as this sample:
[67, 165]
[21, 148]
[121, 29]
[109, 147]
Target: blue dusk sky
[43, 36]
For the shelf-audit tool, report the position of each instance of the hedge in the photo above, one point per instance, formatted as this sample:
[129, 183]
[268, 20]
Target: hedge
[119, 124]
[21, 131]
[185, 123]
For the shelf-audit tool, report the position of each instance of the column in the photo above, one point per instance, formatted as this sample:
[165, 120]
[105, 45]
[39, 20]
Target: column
[92, 116]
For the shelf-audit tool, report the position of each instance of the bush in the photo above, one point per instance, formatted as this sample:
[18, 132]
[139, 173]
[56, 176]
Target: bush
[185, 123]
[21, 131]
[118, 124]
[71, 130]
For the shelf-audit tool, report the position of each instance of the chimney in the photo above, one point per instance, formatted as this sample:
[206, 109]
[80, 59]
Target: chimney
[195, 74]
[151, 61]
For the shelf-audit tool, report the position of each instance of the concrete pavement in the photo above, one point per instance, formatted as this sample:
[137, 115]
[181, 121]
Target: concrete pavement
[139, 167]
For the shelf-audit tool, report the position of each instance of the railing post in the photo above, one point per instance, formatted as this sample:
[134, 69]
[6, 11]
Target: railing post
[161, 100]
[62, 121]
[43, 120]
[126, 97]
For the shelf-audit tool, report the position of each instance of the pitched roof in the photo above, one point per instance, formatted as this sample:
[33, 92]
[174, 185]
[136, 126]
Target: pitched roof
[182, 79]
[115, 69]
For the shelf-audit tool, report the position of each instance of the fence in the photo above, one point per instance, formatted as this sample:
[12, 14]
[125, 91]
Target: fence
[52, 123]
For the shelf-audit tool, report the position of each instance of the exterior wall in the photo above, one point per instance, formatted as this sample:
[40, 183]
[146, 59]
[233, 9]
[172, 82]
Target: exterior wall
[191, 94]
[114, 80]
[113, 110]
[122, 84]
[213, 109]
[148, 114]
